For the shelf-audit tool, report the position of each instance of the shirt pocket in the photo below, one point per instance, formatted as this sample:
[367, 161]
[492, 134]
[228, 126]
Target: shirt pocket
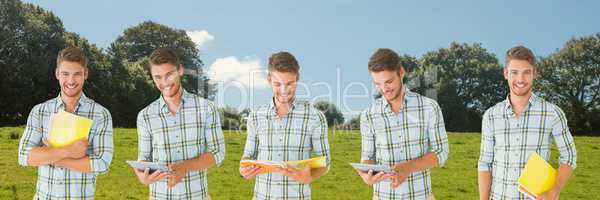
[194, 140]
[159, 145]
[263, 134]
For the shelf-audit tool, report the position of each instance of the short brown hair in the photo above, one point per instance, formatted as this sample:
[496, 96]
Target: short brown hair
[72, 54]
[163, 56]
[283, 62]
[520, 53]
[384, 60]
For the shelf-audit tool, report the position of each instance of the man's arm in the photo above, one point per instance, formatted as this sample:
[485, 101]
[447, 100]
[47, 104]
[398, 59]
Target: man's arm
[438, 142]
[568, 154]
[102, 146]
[214, 140]
[45, 155]
[77, 164]
[32, 151]
[486, 156]
[320, 142]
[484, 180]
[428, 161]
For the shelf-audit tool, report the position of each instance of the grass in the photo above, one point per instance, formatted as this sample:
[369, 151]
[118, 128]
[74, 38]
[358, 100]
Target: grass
[457, 180]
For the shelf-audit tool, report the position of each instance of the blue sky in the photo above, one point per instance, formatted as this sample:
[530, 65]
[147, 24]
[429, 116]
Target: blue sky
[331, 39]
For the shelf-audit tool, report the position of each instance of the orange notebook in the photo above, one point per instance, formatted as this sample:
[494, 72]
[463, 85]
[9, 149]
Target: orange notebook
[270, 166]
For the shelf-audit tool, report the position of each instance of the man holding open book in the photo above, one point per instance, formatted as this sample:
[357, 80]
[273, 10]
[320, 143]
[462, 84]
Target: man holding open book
[180, 130]
[67, 171]
[287, 129]
[516, 128]
[402, 130]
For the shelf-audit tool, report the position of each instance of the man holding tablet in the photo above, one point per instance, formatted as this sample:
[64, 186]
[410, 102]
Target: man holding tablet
[403, 130]
[180, 130]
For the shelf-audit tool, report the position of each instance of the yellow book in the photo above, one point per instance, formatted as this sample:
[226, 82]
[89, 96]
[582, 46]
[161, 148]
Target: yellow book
[66, 128]
[537, 177]
[270, 166]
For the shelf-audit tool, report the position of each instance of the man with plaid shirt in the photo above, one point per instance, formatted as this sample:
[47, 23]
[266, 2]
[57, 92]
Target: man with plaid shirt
[179, 129]
[287, 129]
[517, 127]
[403, 130]
[68, 172]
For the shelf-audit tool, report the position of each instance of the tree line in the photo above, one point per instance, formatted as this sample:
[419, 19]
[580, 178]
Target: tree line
[466, 79]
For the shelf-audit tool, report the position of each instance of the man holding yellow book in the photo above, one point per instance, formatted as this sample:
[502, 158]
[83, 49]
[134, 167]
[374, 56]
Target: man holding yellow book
[518, 127]
[67, 169]
[180, 130]
[287, 129]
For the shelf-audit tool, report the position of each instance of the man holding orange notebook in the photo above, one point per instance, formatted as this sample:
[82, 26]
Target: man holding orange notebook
[288, 129]
[68, 172]
[512, 130]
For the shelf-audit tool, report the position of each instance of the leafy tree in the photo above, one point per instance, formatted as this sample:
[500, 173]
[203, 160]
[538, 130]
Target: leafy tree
[31, 38]
[230, 118]
[570, 78]
[331, 112]
[139, 41]
[469, 80]
[352, 124]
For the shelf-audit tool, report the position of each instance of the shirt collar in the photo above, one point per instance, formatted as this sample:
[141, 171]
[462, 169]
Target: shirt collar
[273, 108]
[532, 100]
[83, 100]
[385, 105]
[184, 96]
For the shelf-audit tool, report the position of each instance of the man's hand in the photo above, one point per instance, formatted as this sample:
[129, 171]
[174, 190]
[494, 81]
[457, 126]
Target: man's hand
[402, 172]
[146, 178]
[178, 171]
[75, 150]
[369, 178]
[549, 195]
[250, 172]
[301, 175]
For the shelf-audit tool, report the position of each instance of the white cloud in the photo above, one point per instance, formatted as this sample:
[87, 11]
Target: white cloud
[247, 71]
[200, 37]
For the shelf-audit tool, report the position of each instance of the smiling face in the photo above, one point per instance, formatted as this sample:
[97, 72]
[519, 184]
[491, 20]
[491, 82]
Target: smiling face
[283, 85]
[389, 83]
[520, 75]
[167, 78]
[71, 78]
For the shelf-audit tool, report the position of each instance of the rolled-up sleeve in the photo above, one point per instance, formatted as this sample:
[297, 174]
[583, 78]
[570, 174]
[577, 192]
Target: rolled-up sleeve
[102, 144]
[486, 154]
[213, 134]
[367, 138]
[32, 136]
[144, 138]
[438, 139]
[251, 146]
[320, 142]
[564, 140]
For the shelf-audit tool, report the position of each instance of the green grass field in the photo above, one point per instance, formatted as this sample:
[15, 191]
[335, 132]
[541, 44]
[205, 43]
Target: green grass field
[457, 180]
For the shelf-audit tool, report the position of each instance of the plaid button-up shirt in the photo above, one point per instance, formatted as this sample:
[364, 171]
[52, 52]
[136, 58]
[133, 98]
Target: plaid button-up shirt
[507, 142]
[389, 139]
[56, 182]
[168, 139]
[294, 137]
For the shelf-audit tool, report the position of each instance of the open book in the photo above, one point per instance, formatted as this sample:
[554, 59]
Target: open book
[66, 128]
[270, 166]
[537, 177]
